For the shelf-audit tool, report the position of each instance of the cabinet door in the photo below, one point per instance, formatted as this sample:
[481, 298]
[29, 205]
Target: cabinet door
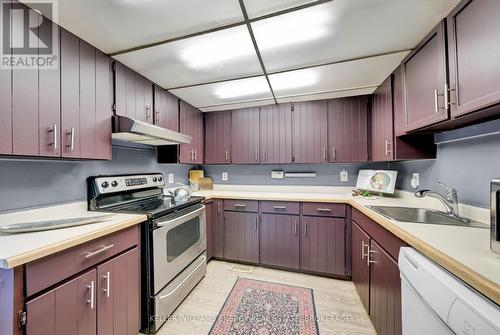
[323, 245]
[130, 96]
[385, 292]
[210, 215]
[140, 103]
[87, 133]
[103, 105]
[166, 109]
[382, 141]
[310, 128]
[280, 240]
[276, 134]
[245, 136]
[118, 295]
[70, 94]
[191, 123]
[348, 129]
[474, 69]
[120, 73]
[217, 138]
[218, 229]
[25, 119]
[68, 309]
[241, 236]
[360, 268]
[425, 81]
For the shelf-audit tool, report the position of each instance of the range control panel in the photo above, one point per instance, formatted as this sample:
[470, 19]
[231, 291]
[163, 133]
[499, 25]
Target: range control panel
[113, 184]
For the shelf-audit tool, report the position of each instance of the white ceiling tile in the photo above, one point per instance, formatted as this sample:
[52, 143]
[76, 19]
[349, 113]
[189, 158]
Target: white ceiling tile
[256, 8]
[246, 104]
[228, 92]
[357, 74]
[328, 95]
[225, 54]
[345, 29]
[114, 25]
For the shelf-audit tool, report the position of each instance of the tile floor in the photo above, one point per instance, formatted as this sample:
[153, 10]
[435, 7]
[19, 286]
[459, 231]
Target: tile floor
[337, 304]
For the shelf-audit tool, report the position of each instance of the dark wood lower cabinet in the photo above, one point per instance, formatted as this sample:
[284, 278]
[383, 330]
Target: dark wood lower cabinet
[241, 236]
[323, 245]
[385, 292]
[67, 309]
[280, 240]
[360, 268]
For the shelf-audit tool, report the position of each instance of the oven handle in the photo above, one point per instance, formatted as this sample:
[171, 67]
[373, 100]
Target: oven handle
[204, 258]
[181, 218]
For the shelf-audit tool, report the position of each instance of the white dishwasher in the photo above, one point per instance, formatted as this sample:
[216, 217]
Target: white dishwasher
[435, 302]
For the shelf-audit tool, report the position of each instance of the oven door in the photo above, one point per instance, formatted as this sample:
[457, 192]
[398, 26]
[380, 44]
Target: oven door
[177, 242]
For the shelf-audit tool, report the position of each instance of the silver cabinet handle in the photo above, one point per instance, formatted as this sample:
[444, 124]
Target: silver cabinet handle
[387, 143]
[71, 144]
[192, 154]
[184, 280]
[279, 207]
[324, 209]
[54, 136]
[368, 256]
[107, 277]
[295, 227]
[324, 153]
[148, 112]
[91, 288]
[195, 154]
[240, 205]
[363, 246]
[436, 106]
[227, 155]
[219, 207]
[334, 154]
[305, 228]
[99, 251]
[446, 97]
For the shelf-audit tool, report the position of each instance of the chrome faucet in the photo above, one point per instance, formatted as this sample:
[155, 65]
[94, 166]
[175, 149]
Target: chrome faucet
[450, 202]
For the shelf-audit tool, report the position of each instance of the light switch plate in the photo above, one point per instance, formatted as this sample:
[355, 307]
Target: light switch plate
[344, 176]
[415, 181]
[225, 176]
[170, 178]
[277, 174]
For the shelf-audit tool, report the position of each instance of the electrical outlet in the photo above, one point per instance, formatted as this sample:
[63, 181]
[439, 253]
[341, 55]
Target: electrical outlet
[225, 176]
[415, 181]
[344, 176]
[170, 178]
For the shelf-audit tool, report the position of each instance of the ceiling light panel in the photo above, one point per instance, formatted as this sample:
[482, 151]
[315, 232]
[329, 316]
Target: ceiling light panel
[221, 55]
[227, 92]
[256, 8]
[352, 75]
[345, 29]
[114, 25]
[239, 105]
[328, 95]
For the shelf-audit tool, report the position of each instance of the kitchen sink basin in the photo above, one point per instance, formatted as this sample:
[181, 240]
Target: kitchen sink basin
[420, 215]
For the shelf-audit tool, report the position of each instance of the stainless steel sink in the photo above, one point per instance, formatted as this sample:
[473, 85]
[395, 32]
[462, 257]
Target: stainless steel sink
[420, 215]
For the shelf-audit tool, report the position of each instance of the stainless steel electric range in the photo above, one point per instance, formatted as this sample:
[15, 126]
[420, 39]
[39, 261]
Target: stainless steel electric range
[173, 239]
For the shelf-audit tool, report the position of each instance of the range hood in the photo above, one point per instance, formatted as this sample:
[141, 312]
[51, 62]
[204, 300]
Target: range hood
[130, 130]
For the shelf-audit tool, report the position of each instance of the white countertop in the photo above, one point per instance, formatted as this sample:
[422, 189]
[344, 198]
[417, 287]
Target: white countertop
[18, 249]
[464, 251]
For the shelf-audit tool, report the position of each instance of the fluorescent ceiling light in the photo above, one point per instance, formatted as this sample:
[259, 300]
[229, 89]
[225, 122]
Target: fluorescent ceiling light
[211, 51]
[242, 88]
[293, 28]
[295, 79]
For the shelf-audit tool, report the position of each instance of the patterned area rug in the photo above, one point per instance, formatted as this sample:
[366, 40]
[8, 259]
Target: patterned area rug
[263, 308]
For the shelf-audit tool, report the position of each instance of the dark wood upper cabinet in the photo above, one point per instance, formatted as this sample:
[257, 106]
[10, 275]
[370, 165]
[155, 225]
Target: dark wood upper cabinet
[241, 236]
[309, 132]
[87, 115]
[360, 268]
[245, 136]
[280, 240]
[382, 142]
[276, 134]
[425, 84]
[474, 53]
[348, 130]
[323, 245]
[218, 138]
[166, 109]
[191, 123]
[385, 292]
[103, 105]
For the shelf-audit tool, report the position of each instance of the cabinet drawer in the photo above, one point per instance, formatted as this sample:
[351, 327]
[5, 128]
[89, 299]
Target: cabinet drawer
[52, 269]
[281, 207]
[324, 209]
[241, 205]
[384, 238]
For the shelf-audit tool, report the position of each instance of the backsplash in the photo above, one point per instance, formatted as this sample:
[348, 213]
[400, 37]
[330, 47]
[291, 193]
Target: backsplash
[31, 183]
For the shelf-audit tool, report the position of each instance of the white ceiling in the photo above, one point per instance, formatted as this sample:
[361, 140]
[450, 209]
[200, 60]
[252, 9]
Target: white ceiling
[331, 49]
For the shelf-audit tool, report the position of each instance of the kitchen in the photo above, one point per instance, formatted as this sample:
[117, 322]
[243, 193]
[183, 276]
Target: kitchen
[250, 167]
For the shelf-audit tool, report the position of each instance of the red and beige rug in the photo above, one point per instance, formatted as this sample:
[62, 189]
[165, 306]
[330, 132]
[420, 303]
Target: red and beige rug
[263, 308]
